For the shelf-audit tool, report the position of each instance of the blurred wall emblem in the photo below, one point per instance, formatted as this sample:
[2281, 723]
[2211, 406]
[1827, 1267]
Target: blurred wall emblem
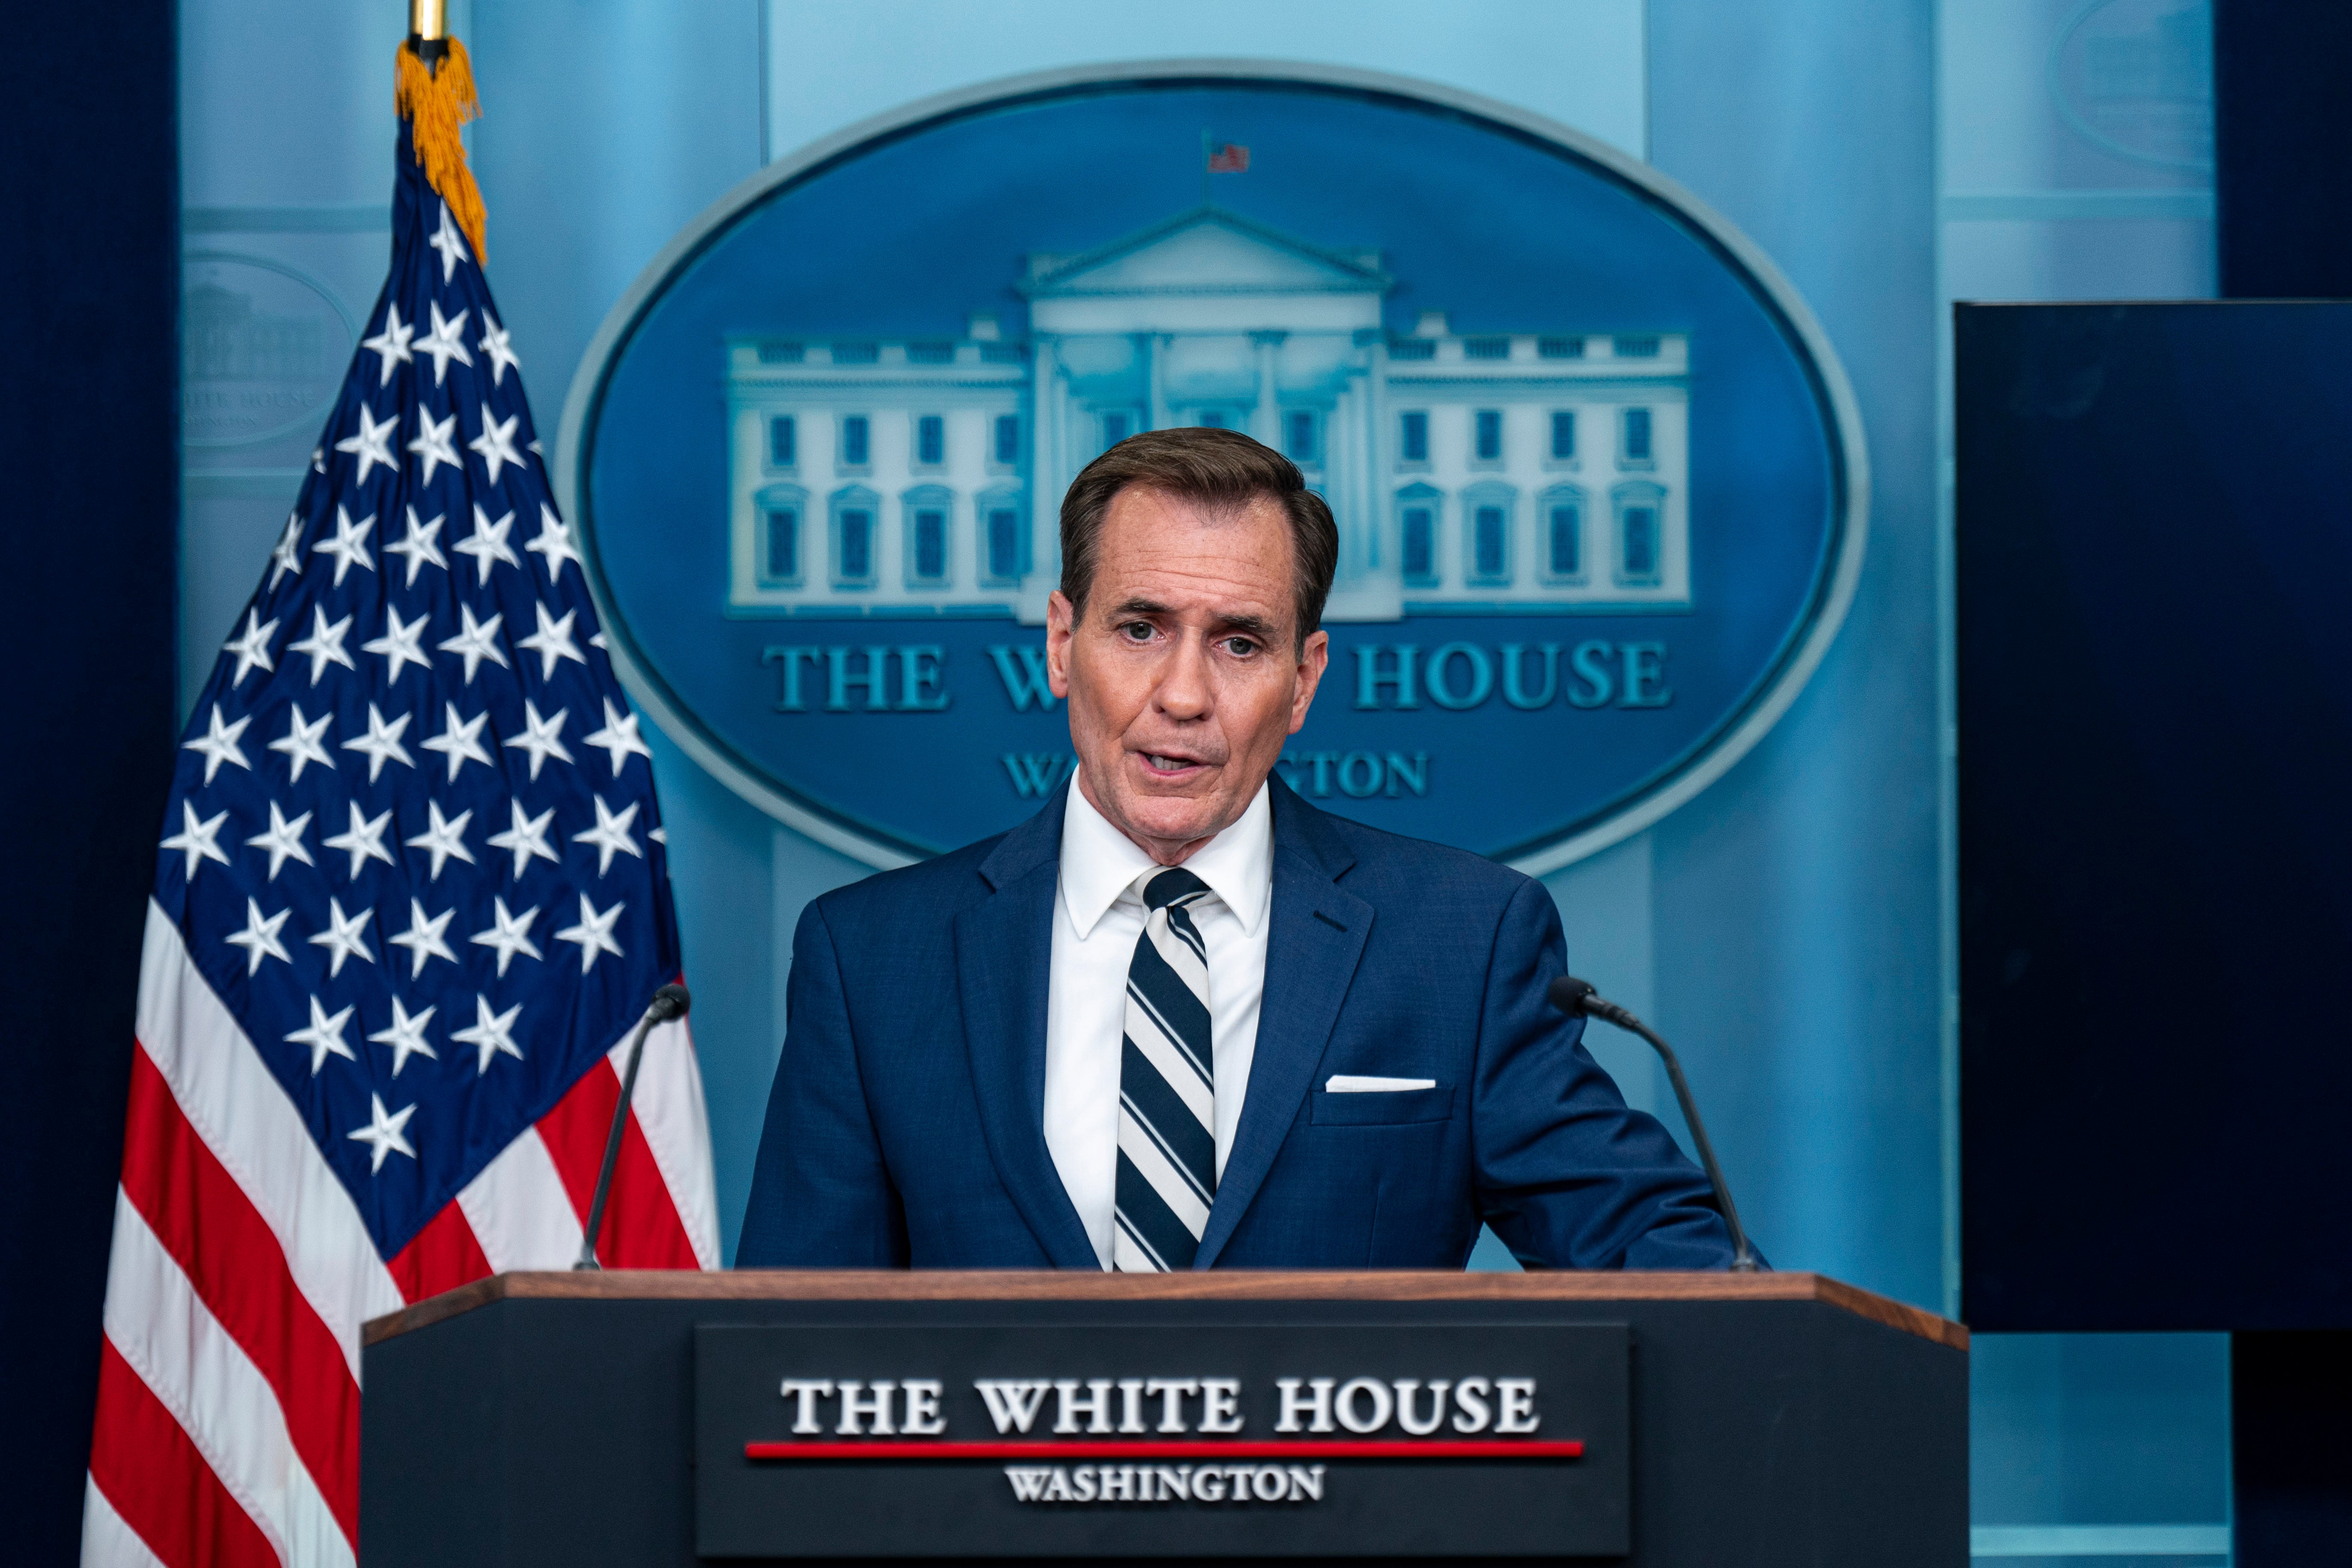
[262, 350]
[1598, 484]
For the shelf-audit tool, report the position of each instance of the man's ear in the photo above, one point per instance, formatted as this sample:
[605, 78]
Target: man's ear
[1313, 660]
[1061, 620]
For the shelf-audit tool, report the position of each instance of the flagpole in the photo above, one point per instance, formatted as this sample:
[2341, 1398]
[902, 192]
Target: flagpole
[429, 30]
[1204, 167]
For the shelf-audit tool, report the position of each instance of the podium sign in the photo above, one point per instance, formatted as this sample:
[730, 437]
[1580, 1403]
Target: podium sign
[1287, 1439]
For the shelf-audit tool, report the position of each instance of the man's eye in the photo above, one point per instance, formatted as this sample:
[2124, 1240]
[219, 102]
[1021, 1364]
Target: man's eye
[1241, 648]
[1136, 631]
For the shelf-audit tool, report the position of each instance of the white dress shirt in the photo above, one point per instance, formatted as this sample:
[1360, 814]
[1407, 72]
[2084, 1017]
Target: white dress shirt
[1098, 916]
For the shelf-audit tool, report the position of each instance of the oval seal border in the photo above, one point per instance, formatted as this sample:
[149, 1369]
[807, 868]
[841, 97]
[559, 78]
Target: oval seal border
[1777, 687]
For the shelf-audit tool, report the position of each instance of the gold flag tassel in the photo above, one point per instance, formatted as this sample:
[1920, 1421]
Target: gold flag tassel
[436, 100]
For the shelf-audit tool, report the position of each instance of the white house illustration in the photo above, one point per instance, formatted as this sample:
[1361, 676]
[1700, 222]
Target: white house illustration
[1519, 473]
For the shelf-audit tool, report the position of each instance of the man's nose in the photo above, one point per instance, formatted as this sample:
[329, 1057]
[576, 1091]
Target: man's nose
[1183, 690]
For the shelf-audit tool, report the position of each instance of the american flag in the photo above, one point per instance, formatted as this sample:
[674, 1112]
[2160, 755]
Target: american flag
[1229, 158]
[411, 900]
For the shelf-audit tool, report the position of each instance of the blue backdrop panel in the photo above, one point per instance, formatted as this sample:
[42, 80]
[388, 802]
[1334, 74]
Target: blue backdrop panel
[88, 302]
[2155, 670]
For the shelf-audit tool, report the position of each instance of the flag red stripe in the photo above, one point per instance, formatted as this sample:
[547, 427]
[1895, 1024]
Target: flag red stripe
[159, 1483]
[641, 1229]
[231, 1256]
[443, 1256]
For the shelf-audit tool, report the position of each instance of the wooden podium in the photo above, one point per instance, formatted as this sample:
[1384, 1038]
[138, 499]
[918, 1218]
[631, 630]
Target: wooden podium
[1657, 1420]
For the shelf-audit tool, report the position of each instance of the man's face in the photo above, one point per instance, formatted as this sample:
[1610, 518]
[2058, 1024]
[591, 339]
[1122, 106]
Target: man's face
[1185, 674]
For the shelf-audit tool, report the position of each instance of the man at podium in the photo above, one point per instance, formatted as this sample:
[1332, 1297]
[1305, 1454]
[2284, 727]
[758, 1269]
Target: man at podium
[1180, 1017]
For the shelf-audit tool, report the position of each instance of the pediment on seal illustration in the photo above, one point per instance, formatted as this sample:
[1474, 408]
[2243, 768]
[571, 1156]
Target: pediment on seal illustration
[1206, 250]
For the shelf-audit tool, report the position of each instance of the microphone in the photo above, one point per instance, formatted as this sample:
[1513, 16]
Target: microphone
[669, 1002]
[1578, 999]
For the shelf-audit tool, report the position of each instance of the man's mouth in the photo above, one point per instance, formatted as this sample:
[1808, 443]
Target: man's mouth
[1163, 763]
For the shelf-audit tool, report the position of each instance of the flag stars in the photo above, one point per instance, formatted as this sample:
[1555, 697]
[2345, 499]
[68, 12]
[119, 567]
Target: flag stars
[373, 444]
[619, 737]
[460, 741]
[343, 939]
[286, 557]
[510, 935]
[610, 834]
[382, 742]
[434, 443]
[283, 841]
[477, 642]
[300, 743]
[383, 1132]
[218, 745]
[553, 542]
[348, 547]
[423, 940]
[593, 933]
[324, 646]
[391, 345]
[494, 343]
[406, 1037]
[251, 648]
[542, 738]
[400, 644]
[493, 1033]
[496, 443]
[445, 343]
[260, 937]
[526, 838]
[552, 642]
[450, 243]
[418, 545]
[488, 543]
[443, 839]
[324, 1036]
[198, 840]
[365, 841]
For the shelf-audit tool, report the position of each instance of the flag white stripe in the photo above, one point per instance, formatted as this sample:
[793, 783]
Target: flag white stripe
[1165, 1179]
[669, 1110]
[106, 1540]
[520, 1209]
[1143, 1026]
[219, 1397]
[252, 1127]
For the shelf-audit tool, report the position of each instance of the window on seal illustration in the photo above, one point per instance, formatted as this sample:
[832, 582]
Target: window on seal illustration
[1563, 435]
[1299, 436]
[777, 543]
[1640, 535]
[1486, 534]
[1633, 448]
[1417, 515]
[927, 511]
[854, 512]
[931, 440]
[1487, 436]
[857, 441]
[1003, 538]
[1004, 447]
[1561, 521]
[1413, 436]
[783, 441]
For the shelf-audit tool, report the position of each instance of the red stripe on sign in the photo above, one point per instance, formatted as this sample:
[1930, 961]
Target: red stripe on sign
[231, 1256]
[1050, 1451]
[159, 1483]
[443, 1256]
[640, 1227]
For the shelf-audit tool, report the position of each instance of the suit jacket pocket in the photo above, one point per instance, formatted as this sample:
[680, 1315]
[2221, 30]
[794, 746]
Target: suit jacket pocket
[1391, 1107]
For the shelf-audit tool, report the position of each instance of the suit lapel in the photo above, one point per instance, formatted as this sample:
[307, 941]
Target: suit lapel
[1312, 949]
[1003, 955]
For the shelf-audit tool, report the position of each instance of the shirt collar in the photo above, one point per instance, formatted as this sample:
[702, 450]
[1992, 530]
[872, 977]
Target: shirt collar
[1100, 862]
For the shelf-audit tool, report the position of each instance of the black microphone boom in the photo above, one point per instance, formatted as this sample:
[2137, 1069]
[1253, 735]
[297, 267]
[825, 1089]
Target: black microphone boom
[670, 1001]
[1578, 999]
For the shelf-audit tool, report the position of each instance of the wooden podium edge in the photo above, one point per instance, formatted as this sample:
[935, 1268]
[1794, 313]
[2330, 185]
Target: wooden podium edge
[1214, 1285]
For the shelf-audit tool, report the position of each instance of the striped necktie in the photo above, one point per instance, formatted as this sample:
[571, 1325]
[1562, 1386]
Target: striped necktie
[1167, 1086]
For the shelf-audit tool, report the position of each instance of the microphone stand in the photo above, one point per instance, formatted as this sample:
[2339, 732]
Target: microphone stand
[669, 1002]
[1578, 999]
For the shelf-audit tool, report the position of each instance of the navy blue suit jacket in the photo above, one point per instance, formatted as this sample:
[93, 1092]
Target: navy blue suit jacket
[907, 1123]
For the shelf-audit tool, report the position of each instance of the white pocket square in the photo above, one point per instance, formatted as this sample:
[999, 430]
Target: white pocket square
[1351, 1083]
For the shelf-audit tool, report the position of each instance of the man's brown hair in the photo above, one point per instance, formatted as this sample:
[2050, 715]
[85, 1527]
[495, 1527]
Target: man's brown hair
[1224, 470]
